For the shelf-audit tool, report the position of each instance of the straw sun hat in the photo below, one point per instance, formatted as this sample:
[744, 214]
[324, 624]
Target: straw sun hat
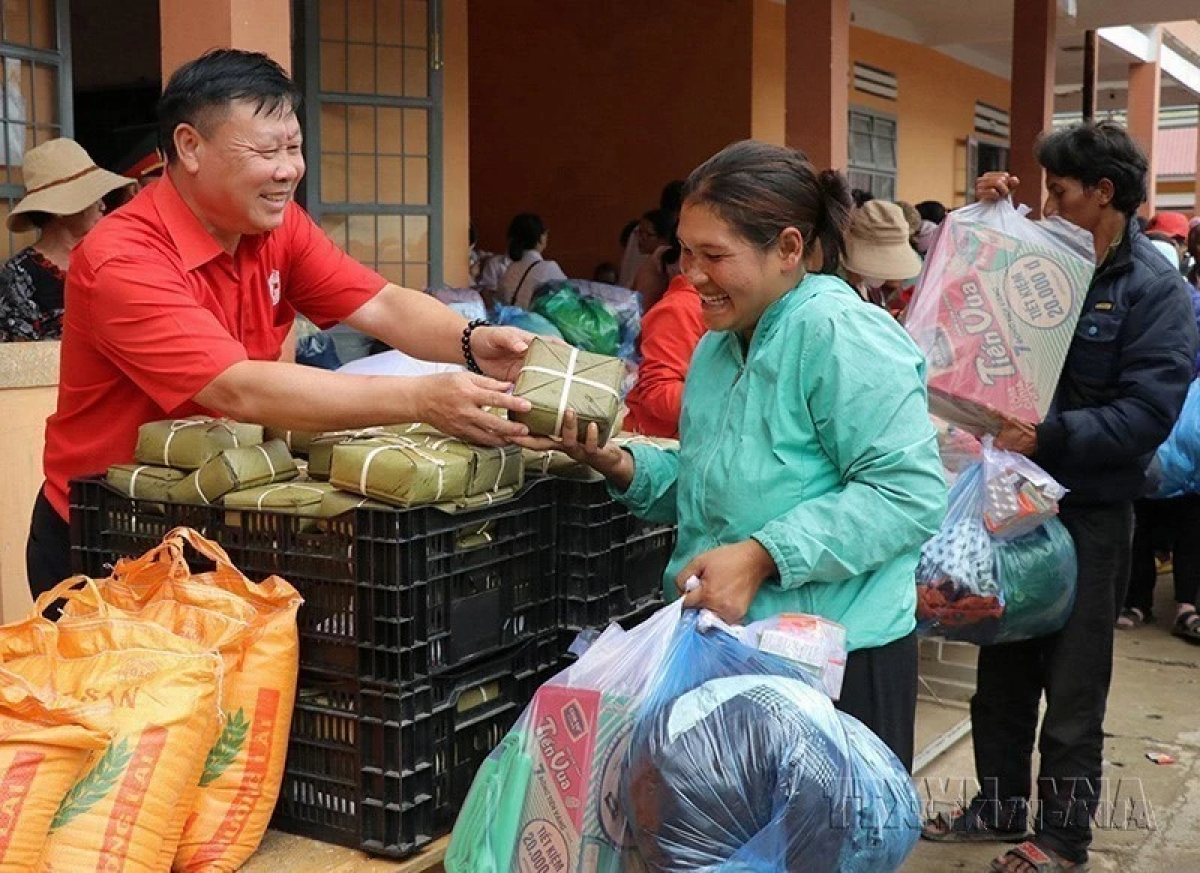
[61, 179]
[877, 244]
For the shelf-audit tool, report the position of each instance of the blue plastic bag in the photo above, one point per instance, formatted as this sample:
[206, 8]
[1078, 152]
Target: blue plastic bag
[1179, 457]
[737, 761]
[515, 316]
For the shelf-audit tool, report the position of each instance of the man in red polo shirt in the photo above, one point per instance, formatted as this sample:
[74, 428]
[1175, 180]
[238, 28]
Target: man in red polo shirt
[180, 302]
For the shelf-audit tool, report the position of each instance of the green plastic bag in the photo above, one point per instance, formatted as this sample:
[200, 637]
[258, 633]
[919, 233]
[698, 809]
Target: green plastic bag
[584, 323]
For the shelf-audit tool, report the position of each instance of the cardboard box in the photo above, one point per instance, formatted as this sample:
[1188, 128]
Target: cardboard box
[572, 820]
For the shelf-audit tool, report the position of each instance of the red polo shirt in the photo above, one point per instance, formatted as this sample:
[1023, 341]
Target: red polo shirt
[156, 309]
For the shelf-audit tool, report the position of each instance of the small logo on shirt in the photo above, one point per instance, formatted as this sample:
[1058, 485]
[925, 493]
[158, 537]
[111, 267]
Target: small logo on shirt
[273, 287]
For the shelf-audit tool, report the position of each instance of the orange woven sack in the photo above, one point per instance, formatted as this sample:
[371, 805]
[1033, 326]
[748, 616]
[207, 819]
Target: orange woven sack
[164, 693]
[211, 631]
[45, 741]
[244, 770]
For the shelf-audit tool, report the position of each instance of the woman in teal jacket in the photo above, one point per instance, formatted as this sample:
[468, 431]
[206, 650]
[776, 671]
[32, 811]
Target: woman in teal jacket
[808, 475]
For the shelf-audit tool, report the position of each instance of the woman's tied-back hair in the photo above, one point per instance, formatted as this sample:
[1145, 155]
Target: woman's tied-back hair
[761, 189]
[1091, 151]
[201, 91]
[524, 233]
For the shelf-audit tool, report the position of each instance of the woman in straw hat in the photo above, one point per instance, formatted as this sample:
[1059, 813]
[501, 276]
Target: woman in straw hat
[880, 258]
[62, 199]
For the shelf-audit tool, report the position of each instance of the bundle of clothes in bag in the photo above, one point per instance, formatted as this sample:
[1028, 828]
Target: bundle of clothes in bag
[1002, 567]
[684, 744]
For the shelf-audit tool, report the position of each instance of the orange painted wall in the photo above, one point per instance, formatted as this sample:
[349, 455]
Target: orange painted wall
[190, 29]
[582, 111]
[935, 108]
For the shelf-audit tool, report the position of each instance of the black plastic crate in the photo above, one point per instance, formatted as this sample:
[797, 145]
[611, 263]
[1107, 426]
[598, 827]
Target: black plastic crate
[476, 707]
[606, 555]
[390, 595]
[359, 769]
[107, 525]
[487, 576]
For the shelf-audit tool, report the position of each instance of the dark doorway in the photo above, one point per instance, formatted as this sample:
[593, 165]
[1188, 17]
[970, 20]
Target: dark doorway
[116, 56]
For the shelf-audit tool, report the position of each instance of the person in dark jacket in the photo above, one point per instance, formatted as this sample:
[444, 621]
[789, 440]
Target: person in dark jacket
[1124, 381]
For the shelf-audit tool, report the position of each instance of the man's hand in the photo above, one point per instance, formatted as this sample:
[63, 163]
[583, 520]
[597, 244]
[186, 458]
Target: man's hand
[730, 577]
[613, 463]
[452, 402]
[995, 186]
[500, 351]
[1016, 435]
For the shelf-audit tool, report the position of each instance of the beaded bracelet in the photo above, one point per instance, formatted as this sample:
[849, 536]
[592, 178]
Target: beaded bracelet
[468, 355]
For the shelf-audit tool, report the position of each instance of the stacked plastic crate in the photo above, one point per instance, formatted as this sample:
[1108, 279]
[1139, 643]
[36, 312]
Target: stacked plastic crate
[610, 564]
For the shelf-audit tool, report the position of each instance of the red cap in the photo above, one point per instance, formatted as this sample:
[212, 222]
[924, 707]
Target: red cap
[1174, 224]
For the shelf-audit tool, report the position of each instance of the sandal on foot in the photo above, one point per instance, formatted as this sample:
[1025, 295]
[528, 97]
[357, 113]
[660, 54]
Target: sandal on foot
[1132, 617]
[1187, 627]
[966, 826]
[1037, 859]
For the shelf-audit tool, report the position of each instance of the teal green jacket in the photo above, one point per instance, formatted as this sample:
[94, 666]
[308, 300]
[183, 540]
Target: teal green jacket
[816, 441]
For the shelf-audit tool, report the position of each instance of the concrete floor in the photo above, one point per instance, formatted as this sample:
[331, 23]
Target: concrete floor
[1153, 706]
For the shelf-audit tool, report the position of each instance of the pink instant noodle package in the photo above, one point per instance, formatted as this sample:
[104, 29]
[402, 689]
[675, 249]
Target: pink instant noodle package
[995, 311]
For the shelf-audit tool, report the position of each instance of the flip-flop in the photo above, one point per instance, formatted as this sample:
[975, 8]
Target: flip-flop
[966, 827]
[1187, 627]
[1041, 860]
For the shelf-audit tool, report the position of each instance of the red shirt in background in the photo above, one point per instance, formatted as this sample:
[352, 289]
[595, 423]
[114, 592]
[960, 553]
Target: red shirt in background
[670, 331]
[156, 309]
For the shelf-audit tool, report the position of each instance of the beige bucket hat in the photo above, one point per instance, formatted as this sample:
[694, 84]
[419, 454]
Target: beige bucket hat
[61, 179]
[877, 245]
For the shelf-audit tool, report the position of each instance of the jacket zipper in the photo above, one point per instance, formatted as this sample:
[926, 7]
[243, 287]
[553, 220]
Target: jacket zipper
[742, 362]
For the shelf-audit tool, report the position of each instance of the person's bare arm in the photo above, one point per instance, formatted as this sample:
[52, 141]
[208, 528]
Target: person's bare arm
[306, 398]
[415, 323]
[425, 328]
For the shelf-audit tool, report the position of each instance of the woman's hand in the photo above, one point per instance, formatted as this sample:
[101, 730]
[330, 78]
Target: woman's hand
[730, 577]
[613, 463]
[995, 186]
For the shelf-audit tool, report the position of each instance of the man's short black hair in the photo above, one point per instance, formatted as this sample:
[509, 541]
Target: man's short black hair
[1091, 151]
[931, 210]
[215, 80]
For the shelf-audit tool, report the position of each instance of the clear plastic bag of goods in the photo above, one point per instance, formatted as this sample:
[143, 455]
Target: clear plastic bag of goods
[546, 798]
[996, 309]
[816, 644]
[1019, 496]
[972, 587]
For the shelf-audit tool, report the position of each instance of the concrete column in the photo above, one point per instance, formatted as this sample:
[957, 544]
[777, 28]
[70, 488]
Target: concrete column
[1145, 86]
[189, 29]
[1196, 201]
[818, 80]
[1032, 99]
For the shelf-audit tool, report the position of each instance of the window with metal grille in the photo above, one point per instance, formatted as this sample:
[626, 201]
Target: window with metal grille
[372, 123]
[35, 94]
[873, 153]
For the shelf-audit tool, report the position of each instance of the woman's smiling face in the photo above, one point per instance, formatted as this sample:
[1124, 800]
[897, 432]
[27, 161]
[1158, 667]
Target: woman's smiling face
[737, 280]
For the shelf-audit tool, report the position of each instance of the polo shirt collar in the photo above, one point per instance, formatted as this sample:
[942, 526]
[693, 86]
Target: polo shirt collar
[195, 244]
